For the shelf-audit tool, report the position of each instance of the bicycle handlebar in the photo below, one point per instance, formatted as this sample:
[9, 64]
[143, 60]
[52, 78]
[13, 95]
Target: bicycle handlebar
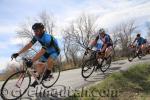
[91, 50]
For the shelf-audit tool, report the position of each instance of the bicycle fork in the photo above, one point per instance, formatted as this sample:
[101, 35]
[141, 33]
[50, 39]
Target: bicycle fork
[20, 80]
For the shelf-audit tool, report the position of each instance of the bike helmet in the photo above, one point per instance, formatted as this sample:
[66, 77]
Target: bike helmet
[138, 35]
[38, 26]
[101, 30]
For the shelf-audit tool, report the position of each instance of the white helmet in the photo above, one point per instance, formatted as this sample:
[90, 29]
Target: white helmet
[101, 30]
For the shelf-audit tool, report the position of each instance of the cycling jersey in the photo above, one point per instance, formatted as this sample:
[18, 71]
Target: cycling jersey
[99, 44]
[49, 43]
[100, 41]
[140, 41]
[106, 39]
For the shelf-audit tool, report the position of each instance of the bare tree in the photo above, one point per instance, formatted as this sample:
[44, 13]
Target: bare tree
[123, 33]
[25, 30]
[48, 21]
[77, 36]
[148, 29]
[70, 50]
[114, 40]
[66, 46]
[80, 31]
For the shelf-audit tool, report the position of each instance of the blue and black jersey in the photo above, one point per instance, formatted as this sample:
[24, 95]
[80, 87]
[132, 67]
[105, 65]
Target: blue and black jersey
[48, 42]
[140, 41]
[106, 40]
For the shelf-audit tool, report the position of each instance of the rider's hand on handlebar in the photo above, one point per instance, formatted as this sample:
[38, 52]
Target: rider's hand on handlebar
[15, 55]
[29, 63]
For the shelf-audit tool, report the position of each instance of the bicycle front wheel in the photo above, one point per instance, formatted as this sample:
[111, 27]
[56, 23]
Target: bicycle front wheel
[105, 64]
[88, 68]
[53, 77]
[131, 55]
[15, 85]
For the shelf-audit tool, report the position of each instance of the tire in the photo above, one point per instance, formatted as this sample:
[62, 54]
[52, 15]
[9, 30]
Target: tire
[131, 56]
[104, 66]
[10, 80]
[140, 56]
[53, 78]
[86, 66]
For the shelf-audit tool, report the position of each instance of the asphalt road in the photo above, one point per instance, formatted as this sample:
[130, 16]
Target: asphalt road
[71, 81]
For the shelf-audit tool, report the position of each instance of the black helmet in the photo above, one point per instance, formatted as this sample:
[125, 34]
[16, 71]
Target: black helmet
[101, 30]
[37, 26]
[138, 35]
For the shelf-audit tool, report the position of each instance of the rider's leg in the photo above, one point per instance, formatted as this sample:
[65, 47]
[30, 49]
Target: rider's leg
[108, 51]
[40, 67]
[50, 63]
[138, 48]
[143, 48]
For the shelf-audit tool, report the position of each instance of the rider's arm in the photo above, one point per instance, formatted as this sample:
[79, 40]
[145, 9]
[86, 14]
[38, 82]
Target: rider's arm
[28, 46]
[93, 43]
[38, 55]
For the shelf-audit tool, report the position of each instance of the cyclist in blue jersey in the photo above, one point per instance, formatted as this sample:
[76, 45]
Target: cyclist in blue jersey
[48, 53]
[103, 43]
[141, 42]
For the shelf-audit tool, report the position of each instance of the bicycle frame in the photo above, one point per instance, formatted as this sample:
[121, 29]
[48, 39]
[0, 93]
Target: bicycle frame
[93, 63]
[31, 72]
[93, 55]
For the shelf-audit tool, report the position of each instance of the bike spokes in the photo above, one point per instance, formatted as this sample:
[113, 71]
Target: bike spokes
[88, 67]
[52, 78]
[16, 85]
[105, 64]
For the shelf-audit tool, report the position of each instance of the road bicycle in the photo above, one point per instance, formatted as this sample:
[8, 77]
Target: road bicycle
[134, 52]
[91, 63]
[17, 84]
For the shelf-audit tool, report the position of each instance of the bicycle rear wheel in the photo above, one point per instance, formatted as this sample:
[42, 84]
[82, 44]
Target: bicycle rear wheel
[53, 77]
[15, 85]
[88, 67]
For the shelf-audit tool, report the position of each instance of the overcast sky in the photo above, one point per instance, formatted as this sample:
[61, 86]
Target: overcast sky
[110, 12]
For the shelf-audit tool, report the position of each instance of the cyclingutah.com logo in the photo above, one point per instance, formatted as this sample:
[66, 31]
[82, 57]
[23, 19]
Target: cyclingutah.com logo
[62, 92]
